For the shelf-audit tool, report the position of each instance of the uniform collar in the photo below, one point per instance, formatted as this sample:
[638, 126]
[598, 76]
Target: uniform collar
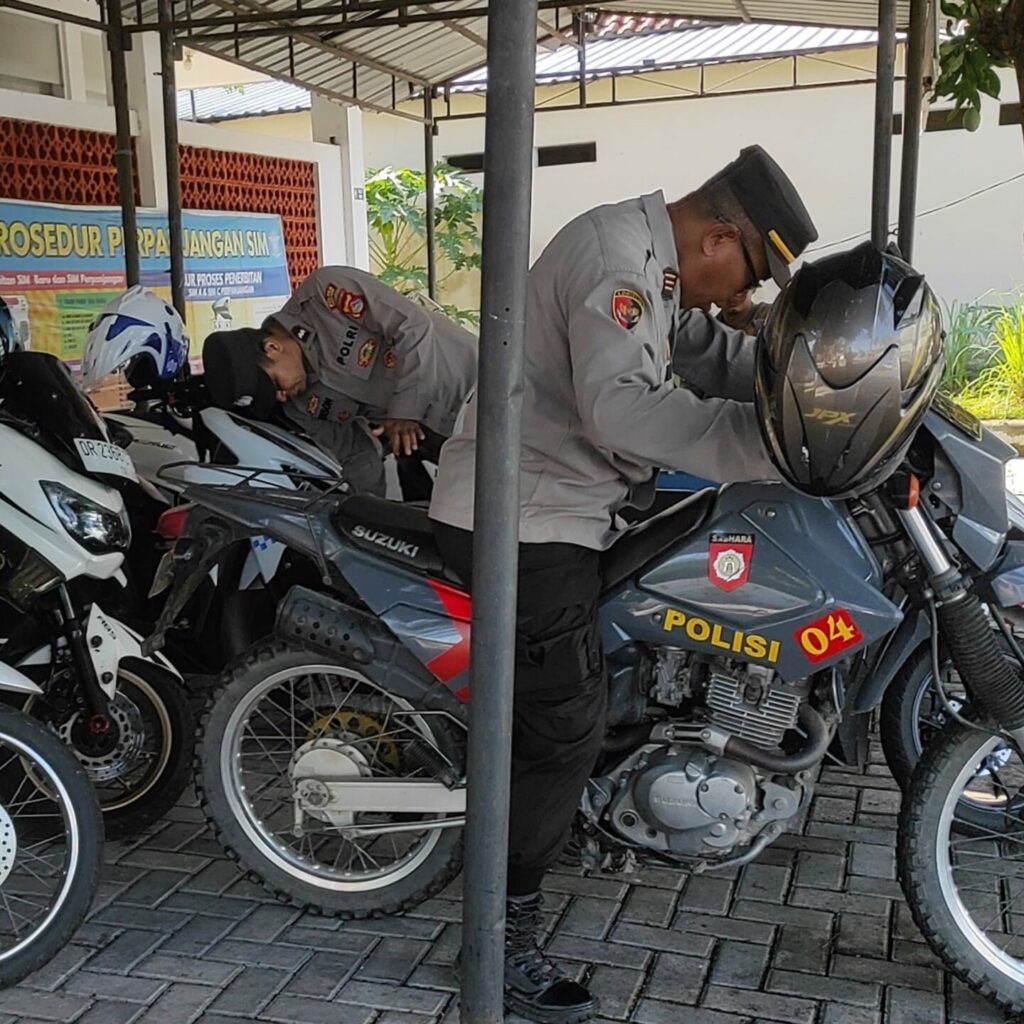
[662, 236]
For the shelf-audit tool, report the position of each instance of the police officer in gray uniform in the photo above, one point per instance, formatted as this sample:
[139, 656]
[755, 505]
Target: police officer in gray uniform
[616, 295]
[346, 350]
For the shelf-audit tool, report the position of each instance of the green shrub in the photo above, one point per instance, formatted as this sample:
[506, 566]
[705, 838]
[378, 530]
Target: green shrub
[970, 343]
[997, 391]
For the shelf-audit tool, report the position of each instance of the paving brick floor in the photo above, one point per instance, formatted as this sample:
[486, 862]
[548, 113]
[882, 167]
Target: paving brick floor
[816, 932]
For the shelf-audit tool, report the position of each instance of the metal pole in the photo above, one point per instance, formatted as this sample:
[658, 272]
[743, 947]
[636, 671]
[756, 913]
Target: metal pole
[170, 97]
[428, 164]
[884, 79]
[581, 51]
[913, 97]
[123, 143]
[508, 177]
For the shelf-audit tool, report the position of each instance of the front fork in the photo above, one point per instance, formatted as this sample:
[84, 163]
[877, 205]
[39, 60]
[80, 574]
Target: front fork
[92, 682]
[994, 684]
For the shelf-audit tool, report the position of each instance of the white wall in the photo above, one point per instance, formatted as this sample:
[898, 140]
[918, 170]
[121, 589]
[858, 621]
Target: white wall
[57, 74]
[822, 137]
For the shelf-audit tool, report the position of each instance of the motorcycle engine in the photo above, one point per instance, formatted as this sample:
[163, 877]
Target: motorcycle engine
[679, 798]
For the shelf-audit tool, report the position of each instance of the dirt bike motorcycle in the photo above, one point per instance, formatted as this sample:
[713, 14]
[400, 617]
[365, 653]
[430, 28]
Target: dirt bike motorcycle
[746, 632]
[64, 531]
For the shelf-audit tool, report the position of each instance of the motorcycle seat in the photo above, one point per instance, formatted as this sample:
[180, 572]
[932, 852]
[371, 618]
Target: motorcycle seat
[647, 541]
[402, 533]
[398, 532]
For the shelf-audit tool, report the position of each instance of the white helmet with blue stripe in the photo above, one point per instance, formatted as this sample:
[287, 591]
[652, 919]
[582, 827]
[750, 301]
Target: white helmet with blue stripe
[139, 326]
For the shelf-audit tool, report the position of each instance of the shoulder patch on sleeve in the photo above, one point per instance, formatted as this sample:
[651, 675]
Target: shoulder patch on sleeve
[350, 304]
[627, 307]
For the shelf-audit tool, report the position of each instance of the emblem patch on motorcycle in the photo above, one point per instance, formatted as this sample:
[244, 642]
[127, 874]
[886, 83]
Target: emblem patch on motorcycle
[729, 556]
[828, 636]
[627, 307]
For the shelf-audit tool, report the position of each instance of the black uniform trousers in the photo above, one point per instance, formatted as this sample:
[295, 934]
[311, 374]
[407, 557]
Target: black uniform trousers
[416, 483]
[560, 695]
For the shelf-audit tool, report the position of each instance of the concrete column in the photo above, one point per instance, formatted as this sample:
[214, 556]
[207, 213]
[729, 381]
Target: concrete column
[143, 65]
[342, 126]
[72, 62]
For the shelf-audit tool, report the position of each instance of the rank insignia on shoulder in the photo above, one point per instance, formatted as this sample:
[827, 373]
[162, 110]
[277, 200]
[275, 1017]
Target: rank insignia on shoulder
[669, 281]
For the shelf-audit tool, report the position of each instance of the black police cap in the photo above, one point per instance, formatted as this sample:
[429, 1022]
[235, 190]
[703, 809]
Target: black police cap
[232, 372]
[773, 206]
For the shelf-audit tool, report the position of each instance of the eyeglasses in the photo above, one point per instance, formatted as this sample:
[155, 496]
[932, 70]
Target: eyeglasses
[754, 280]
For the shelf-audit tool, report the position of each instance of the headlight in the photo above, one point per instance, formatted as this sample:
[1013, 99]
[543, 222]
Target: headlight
[96, 528]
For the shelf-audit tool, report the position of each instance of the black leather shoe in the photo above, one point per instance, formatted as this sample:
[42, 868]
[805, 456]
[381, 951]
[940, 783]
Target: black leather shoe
[535, 986]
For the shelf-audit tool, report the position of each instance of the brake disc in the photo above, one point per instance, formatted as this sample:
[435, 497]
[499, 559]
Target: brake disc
[8, 845]
[123, 754]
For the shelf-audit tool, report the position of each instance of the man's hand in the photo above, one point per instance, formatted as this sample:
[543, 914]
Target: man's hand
[403, 435]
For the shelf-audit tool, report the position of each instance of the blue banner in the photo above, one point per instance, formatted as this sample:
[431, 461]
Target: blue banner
[60, 264]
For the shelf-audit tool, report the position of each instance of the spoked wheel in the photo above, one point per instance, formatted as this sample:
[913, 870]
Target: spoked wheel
[51, 841]
[138, 759]
[331, 791]
[965, 881]
[913, 715]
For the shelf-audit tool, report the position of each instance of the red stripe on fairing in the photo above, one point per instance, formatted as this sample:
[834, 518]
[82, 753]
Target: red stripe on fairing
[454, 661]
[456, 602]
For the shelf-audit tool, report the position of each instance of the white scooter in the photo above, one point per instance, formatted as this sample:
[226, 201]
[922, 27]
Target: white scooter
[64, 531]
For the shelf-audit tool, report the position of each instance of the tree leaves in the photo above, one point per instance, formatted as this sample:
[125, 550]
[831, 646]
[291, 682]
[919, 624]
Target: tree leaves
[396, 212]
[982, 39]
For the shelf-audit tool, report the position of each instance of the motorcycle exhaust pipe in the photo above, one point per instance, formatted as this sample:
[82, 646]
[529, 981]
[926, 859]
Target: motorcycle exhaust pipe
[724, 743]
[311, 619]
[786, 764]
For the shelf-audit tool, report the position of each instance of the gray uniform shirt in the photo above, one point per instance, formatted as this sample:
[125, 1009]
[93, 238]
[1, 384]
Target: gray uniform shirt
[601, 412]
[378, 354]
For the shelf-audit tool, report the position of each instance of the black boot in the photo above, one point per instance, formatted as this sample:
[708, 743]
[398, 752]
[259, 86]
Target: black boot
[535, 986]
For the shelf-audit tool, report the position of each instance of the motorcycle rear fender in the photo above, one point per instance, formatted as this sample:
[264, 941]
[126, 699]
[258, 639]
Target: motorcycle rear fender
[197, 552]
[14, 681]
[262, 562]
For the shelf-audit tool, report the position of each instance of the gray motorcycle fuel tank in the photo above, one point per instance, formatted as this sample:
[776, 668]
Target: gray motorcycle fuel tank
[771, 577]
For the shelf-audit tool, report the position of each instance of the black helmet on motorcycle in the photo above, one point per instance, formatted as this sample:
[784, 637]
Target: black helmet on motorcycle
[850, 360]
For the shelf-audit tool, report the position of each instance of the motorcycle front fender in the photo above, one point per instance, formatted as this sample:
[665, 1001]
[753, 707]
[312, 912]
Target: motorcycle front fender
[110, 642]
[14, 681]
[129, 645]
[913, 631]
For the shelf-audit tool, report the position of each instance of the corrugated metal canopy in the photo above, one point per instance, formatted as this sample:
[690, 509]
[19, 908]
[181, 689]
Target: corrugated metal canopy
[610, 53]
[707, 44]
[357, 51]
